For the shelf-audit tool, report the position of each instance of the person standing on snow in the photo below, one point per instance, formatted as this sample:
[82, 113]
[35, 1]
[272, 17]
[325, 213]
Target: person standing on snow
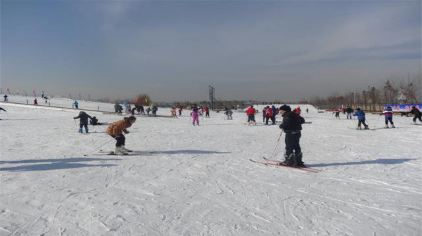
[268, 114]
[116, 130]
[228, 112]
[292, 126]
[349, 112]
[195, 115]
[361, 118]
[264, 114]
[83, 121]
[417, 114]
[337, 113]
[250, 112]
[207, 111]
[388, 113]
[180, 110]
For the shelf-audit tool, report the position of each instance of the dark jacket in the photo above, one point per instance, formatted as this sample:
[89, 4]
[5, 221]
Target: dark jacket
[360, 114]
[349, 110]
[292, 122]
[415, 111]
[83, 118]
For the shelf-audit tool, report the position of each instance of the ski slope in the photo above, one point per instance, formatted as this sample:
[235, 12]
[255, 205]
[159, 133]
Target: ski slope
[199, 180]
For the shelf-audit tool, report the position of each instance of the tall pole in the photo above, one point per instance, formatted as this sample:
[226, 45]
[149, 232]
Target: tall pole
[211, 96]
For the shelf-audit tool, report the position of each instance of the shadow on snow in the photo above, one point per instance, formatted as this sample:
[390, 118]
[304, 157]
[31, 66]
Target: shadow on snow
[54, 164]
[368, 162]
[176, 152]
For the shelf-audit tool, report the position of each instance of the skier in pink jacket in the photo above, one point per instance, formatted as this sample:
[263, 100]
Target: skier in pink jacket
[195, 115]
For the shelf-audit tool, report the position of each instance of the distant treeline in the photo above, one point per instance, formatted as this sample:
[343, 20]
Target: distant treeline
[394, 91]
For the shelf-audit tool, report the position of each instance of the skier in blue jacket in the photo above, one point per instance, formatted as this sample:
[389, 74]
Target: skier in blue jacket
[361, 118]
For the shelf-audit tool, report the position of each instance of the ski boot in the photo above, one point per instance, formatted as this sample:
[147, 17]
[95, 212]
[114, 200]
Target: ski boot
[392, 126]
[120, 151]
[290, 160]
[299, 160]
[386, 126]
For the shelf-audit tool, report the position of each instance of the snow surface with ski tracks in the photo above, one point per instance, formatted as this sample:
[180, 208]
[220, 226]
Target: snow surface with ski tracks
[187, 180]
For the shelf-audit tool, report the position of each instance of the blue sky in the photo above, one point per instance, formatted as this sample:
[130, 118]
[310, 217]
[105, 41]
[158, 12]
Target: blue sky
[173, 50]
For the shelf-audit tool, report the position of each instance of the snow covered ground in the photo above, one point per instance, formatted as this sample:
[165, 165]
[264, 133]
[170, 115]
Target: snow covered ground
[199, 180]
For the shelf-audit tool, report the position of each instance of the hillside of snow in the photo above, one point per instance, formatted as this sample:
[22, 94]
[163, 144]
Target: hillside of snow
[198, 180]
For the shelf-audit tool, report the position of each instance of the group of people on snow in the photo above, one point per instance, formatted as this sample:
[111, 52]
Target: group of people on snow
[291, 125]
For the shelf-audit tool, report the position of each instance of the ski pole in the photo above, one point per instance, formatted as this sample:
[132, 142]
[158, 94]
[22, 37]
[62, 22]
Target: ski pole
[103, 144]
[274, 153]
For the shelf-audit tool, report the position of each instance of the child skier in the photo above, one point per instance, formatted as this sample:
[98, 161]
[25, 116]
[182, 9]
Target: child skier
[251, 115]
[361, 118]
[388, 113]
[292, 126]
[116, 130]
[195, 115]
[417, 114]
[83, 121]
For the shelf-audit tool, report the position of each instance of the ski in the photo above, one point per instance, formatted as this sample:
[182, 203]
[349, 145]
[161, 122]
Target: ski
[279, 164]
[372, 129]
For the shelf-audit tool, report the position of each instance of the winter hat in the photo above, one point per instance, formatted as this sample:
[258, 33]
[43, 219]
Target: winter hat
[130, 118]
[285, 108]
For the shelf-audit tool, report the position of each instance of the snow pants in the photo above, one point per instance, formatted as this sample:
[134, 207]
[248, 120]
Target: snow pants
[389, 119]
[419, 117]
[292, 143]
[81, 126]
[251, 118]
[360, 122]
[120, 140]
[195, 118]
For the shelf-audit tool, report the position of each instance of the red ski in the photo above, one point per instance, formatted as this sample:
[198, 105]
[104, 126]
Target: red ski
[275, 163]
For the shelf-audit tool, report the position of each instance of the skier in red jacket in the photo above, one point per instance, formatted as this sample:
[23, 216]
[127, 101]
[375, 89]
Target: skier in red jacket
[251, 115]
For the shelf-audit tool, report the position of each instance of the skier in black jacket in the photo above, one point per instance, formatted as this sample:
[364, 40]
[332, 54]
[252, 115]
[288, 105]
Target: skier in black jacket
[83, 121]
[292, 126]
[417, 114]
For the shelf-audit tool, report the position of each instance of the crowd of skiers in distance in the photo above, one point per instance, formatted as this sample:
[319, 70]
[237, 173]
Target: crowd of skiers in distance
[291, 124]
[388, 114]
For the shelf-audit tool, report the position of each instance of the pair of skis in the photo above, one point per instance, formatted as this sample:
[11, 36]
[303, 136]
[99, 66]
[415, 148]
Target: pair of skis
[276, 163]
